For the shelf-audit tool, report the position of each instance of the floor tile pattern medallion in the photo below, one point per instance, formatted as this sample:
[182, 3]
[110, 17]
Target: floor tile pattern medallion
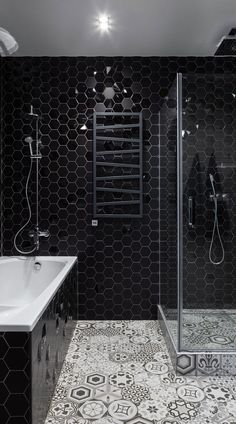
[120, 372]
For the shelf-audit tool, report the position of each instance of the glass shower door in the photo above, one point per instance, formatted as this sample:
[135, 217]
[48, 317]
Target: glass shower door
[206, 224]
[168, 212]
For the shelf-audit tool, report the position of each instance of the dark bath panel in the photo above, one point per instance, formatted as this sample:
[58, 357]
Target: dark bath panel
[30, 362]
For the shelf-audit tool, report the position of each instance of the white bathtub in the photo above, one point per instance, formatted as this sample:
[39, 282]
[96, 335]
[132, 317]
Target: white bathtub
[25, 292]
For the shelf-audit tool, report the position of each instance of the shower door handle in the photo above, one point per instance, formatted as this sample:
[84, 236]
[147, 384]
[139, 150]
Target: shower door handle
[190, 212]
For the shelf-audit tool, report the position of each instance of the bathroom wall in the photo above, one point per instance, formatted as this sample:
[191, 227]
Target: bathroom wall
[118, 260]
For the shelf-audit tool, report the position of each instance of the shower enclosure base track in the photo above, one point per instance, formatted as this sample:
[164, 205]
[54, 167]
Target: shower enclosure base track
[197, 363]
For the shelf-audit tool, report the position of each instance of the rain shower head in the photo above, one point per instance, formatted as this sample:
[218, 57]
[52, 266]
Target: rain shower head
[8, 44]
[227, 45]
[31, 113]
[29, 116]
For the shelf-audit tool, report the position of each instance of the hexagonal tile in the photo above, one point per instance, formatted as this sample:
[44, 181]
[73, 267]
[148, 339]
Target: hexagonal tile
[92, 410]
[80, 393]
[186, 364]
[95, 380]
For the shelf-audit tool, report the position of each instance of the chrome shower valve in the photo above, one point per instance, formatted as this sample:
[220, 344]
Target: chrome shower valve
[219, 196]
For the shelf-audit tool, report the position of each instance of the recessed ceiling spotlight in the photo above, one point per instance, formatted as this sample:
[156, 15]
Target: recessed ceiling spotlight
[104, 23]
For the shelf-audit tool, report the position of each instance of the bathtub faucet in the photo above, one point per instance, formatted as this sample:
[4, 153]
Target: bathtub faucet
[36, 234]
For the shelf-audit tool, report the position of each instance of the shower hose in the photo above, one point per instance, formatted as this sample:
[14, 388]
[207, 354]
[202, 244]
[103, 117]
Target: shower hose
[30, 214]
[215, 227]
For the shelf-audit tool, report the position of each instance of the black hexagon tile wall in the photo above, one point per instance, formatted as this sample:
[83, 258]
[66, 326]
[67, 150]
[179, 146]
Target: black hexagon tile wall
[119, 259]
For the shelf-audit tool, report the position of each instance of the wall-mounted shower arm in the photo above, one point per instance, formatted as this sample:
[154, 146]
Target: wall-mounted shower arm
[225, 166]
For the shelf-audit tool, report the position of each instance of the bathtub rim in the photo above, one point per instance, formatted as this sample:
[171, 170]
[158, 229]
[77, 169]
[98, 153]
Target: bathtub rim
[24, 318]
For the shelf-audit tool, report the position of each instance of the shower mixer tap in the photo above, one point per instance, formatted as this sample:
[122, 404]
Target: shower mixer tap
[36, 155]
[36, 234]
[219, 196]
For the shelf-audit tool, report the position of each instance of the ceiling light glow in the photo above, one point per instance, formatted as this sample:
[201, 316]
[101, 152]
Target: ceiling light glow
[104, 23]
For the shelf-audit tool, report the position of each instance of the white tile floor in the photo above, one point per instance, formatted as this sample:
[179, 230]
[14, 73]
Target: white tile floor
[120, 372]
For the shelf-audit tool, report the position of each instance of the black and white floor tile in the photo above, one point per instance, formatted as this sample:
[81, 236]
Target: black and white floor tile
[120, 372]
[206, 329]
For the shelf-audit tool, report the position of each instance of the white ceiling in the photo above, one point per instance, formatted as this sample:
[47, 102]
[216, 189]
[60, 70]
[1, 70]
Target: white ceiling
[140, 27]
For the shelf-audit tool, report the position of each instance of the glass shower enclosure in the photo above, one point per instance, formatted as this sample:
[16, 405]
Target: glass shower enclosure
[198, 212]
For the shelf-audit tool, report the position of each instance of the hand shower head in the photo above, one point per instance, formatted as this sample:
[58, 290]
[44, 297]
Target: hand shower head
[212, 184]
[29, 140]
[211, 178]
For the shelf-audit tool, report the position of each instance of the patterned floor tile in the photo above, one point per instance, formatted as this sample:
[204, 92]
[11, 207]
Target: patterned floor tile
[122, 410]
[136, 393]
[80, 394]
[120, 372]
[92, 410]
[206, 329]
[153, 409]
[107, 393]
